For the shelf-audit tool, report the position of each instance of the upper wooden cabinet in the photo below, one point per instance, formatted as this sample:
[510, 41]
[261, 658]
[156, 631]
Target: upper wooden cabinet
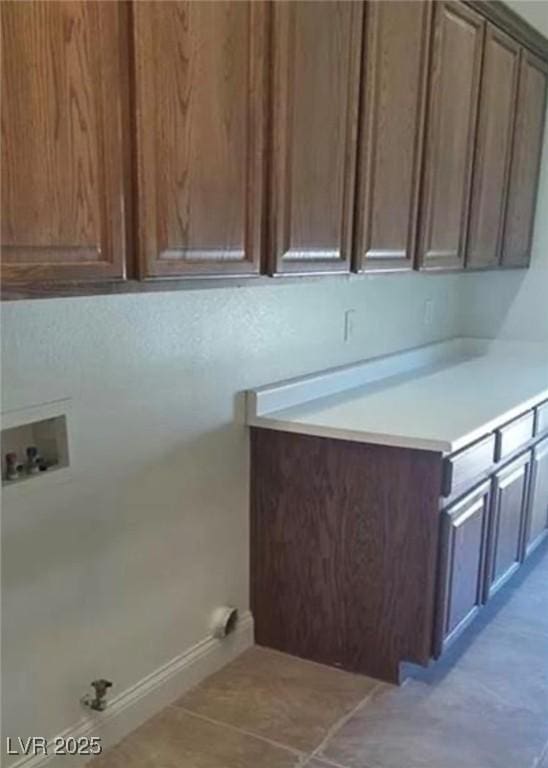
[200, 101]
[144, 139]
[393, 89]
[62, 147]
[526, 153]
[454, 86]
[493, 148]
[316, 65]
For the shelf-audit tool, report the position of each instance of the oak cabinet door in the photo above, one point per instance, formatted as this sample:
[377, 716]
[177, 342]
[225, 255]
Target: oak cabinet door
[62, 148]
[537, 519]
[316, 62]
[507, 522]
[453, 99]
[392, 111]
[525, 166]
[462, 565]
[494, 142]
[200, 90]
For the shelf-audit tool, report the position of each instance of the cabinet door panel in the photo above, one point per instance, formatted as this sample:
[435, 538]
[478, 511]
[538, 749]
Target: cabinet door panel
[537, 523]
[395, 56]
[494, 142]
[525, 165]
[200, 99]
[62, 159]
[507, 522]
[461, 578]
[454, 87]
[316, 52]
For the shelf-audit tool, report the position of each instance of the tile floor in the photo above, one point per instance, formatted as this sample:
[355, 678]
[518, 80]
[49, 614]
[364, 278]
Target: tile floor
[484, 706]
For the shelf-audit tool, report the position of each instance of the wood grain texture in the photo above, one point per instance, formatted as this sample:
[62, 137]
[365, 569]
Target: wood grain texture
[392, 122]
[507, 521]
[462, 565]
[344, 540]
[493, 149]
[452, 109]
[525, 166]
[63, 186]
[200, 104]
[500, 14]
[316, 64]
[537, 516]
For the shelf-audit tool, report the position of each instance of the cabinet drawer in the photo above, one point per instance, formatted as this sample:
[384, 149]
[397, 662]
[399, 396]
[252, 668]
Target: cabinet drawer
[512, 436]
[541, 424]
[470, 464]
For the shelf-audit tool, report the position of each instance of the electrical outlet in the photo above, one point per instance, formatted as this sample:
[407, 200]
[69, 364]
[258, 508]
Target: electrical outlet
[349, 325]
[428, 313]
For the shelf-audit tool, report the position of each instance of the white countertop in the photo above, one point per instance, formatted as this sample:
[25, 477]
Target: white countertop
[440, 397]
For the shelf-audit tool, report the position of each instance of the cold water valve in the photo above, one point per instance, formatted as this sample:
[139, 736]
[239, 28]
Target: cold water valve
[99, 701]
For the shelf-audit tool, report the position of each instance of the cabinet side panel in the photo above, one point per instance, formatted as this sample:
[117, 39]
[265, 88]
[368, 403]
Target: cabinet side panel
[343, 550]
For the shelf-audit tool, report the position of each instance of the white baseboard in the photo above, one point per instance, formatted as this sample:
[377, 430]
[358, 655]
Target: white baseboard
[132, 707]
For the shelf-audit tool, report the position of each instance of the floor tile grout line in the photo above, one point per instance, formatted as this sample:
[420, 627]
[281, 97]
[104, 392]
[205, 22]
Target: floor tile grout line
[326, 761]
[297, 752]
[343, 720]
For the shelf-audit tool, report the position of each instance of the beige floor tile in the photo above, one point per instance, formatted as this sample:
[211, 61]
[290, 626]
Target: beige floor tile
[315, 763]
[175, 739]
[291, 701]
[444, 725]
[504, 662]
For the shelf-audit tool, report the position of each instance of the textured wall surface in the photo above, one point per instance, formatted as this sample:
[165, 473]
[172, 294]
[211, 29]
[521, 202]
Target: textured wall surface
[116, 571]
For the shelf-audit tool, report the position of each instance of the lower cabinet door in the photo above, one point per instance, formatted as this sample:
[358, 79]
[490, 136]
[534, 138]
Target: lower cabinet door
[537, 518]
[508, 517]
[462, 565]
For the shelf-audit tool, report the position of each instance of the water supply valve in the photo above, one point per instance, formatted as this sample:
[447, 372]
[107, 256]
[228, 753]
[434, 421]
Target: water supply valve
[98, 702]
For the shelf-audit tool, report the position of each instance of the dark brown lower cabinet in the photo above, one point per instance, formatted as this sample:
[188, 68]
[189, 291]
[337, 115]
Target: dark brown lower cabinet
[462, 564]
[370, 557]
[508, 515]
[537, 519]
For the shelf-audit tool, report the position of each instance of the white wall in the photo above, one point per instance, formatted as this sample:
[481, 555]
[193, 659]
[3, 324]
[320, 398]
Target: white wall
[116, 572]
[514, 304]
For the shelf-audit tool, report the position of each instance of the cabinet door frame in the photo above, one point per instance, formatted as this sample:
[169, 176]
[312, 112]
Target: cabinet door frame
[478, 499]
[492, 34]
[527, 59]
[501, 480]
[439, 261]
[276, 261]
[206, 263]
[65, 262]
[540, 450]
[367, 259]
